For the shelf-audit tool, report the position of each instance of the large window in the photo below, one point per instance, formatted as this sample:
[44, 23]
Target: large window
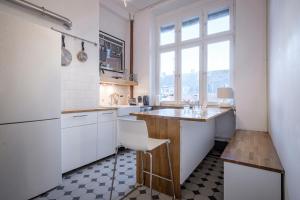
[195, 55]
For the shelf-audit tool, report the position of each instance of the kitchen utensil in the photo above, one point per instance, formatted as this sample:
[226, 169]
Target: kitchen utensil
[82, 56]
[66, 56]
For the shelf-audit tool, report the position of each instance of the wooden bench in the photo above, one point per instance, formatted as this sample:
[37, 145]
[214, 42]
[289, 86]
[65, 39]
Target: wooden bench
[252, 169]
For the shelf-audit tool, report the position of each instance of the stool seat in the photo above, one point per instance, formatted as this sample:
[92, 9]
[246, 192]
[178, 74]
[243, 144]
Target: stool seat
[154, 143]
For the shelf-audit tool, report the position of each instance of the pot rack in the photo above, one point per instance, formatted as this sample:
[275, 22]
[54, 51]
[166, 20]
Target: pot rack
[74, 36]
[67, 23]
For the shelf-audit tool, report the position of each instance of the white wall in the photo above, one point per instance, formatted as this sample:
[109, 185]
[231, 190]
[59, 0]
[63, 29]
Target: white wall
[116, 25]
[250, 73]
[79, 80]
[143, 51]
[284, 92]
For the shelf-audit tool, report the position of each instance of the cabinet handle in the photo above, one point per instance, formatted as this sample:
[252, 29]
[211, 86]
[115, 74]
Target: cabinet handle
[76, 116]
[107, 113]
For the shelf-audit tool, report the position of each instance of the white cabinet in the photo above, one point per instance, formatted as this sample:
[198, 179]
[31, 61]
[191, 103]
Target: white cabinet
[107, 134]
[249, 183]
[79, 144]
[196, 140]
[87, 137]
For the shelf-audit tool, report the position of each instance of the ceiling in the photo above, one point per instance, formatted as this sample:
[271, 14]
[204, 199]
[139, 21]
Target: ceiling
[137, 5]
[134, 6]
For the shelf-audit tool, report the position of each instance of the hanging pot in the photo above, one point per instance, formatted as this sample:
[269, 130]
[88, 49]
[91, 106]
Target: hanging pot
[66, 56]
[82, 56]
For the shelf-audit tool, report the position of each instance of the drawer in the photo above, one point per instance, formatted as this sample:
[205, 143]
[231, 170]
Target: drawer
[108, 115]
[78, 119]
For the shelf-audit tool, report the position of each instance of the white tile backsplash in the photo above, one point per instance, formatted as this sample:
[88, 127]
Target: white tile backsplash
[80, 87]
[107, 90]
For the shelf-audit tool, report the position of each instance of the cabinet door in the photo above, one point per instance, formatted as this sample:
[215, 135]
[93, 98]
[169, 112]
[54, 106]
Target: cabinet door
[79, 146]
[106, 139]
[88, 137]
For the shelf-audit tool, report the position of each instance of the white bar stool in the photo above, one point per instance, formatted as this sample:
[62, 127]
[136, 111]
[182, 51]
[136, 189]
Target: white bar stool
[133, 134]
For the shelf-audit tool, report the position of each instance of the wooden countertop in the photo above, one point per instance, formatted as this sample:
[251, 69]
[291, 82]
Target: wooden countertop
[254, 149]
[88, 110]
[182, 114]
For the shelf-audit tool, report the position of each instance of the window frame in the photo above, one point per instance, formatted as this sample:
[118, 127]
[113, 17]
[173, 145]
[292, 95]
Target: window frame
[176, 18]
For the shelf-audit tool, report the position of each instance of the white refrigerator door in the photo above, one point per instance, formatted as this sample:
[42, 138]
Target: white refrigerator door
[30, 159]
[29, 71]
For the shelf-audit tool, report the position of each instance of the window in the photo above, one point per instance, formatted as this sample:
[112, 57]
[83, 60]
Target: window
[190, 74]
[218, 70]
[190, 29]
[194, 55]
[167, 76]
[167, 34]
[218, 22]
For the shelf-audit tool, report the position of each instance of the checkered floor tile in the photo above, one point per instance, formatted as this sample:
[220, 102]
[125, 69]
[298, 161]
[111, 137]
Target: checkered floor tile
[93, 181]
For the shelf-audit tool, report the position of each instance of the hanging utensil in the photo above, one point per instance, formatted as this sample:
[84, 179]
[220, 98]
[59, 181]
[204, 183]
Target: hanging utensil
[66, 56]
[82, 56]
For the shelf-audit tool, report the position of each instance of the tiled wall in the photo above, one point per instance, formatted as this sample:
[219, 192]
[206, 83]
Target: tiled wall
[80, 81]
[107, 90]
[80, 87]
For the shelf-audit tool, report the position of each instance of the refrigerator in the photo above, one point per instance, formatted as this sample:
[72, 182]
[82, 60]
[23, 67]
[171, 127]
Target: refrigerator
[30, 138]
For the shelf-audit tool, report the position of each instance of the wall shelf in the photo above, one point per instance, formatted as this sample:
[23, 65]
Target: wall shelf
[113, 81]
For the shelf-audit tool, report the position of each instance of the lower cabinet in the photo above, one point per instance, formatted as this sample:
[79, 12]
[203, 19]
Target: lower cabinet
[78, 146]
[87, 137]
[107, 134]
[106, 139]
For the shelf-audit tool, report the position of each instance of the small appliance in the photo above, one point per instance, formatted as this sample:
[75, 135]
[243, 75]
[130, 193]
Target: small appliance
[146, 100]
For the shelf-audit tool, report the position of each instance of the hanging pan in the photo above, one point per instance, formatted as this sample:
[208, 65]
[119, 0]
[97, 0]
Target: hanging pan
[82, 56]
[66, 56]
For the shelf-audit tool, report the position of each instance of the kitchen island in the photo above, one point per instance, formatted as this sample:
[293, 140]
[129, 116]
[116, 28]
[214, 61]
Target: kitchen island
[192, 134]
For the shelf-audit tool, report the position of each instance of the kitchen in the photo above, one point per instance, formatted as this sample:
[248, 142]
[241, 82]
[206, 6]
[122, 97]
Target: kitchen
[137, 99]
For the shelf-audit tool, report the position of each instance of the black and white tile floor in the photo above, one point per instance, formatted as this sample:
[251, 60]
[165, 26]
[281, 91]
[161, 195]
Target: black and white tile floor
[93, 181]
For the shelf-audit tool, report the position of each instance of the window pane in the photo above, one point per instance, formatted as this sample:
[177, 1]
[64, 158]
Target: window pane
[190, 29]
[218, 68]
[167, 34]
[190, 74]
[167, 76]
[218, 22]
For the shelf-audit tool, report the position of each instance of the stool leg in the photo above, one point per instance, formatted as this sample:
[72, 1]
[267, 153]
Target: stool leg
[114, 172]
[151, 172]
[142, 157]
[171, 170]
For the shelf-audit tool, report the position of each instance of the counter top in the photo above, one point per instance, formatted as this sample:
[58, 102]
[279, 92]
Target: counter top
[88, 110]
[254, 149]
[188, 114]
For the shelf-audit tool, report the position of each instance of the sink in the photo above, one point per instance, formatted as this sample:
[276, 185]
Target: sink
[126, 110]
